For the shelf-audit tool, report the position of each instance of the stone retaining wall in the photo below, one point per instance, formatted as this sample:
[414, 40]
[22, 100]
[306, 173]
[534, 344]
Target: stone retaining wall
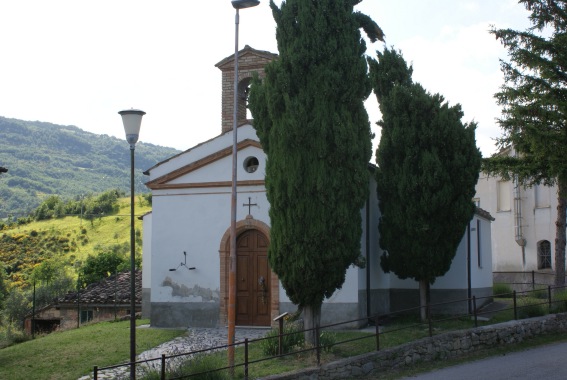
[439, 347]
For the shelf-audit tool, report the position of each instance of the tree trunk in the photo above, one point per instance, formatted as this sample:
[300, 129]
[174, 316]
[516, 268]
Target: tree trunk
[560, 236]
[423, 299]
[312, 320]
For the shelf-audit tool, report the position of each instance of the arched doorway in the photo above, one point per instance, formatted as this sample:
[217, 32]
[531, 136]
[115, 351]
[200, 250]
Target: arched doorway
[252, 280]
[262, 235]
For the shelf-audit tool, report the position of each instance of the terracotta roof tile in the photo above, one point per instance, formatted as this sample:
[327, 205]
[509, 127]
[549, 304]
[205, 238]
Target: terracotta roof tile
[104, 291]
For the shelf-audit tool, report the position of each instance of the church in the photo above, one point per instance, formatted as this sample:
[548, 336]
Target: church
[186, 239]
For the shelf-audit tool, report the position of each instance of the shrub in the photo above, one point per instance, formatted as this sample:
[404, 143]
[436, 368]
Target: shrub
[193, 369]
[559, 299]
[541, 294]
[559, 306]
[292, 338]
[327, 341]
[11, 334]
[502, 290]
[531, 310]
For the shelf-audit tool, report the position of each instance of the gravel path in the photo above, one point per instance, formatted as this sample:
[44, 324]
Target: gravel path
[195, 339]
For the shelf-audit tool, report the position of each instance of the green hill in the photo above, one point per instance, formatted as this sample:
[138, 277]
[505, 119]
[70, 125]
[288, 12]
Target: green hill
[47, 159]
[68, 240]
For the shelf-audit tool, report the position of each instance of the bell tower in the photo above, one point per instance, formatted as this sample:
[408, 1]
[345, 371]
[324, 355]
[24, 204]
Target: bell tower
[249, 61]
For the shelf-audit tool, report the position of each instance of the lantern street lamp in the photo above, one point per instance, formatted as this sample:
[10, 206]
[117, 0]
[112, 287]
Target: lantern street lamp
[132, 120]
[237, 4]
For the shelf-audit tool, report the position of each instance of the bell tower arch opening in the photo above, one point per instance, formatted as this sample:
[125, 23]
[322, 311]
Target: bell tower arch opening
[250, 61]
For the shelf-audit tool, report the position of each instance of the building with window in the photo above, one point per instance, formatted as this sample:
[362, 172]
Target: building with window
[108, 299]
[187, 237]
[523, 232]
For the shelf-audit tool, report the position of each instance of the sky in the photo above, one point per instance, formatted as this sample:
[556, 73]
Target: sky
[79, 62]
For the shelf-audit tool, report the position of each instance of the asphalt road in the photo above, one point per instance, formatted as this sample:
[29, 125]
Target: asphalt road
[544, 363]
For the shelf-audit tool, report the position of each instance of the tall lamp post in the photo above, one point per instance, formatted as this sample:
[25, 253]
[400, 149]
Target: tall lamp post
[132, 120]
[237, 4]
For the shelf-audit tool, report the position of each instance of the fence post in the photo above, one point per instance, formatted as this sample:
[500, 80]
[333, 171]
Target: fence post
[280, 319]
[318, 348]
[549, 297]
[95, 372]
[515, 308]
[533, 280]
[162, 367]
[474, 308]
[377, 333]
[246, 359]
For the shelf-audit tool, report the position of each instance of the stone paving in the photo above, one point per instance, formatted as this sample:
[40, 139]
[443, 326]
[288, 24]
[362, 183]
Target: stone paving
[196, 339]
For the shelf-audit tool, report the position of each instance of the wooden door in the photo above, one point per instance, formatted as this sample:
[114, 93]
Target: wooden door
[253, 280]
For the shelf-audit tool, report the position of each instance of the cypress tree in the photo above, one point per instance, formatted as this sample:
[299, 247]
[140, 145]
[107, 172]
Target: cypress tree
[309, 115]
[428, 166]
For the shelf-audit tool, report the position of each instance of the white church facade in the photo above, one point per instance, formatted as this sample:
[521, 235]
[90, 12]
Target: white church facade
[187, 238]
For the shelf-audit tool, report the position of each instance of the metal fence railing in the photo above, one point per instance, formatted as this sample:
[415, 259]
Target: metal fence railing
[521, 304]
[525, 280]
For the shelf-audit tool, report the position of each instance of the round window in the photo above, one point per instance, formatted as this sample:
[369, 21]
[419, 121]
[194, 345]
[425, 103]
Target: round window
[251, 164]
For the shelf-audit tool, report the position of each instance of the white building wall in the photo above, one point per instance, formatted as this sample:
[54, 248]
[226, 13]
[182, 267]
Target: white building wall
[146, 252]
[201, 151]
[146, 265]
[482, 269]
[456, 277]
[537, 223]
[194, 223]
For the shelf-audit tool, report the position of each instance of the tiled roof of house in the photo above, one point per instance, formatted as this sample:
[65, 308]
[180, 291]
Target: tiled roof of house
[107, 290]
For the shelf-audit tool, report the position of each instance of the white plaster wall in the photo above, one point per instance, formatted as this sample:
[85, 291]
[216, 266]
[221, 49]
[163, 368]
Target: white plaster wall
[147, 251]
[348, 292]
[179, 223]
[221, 170]
[456, 277]
[202, 150]
[398, 283]
[378, 279]
[537, 224]
[481, 276]
[194, 223]
[194, 220]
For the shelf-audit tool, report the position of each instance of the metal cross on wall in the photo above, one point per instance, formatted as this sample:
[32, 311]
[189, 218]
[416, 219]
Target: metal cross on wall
[250, 204]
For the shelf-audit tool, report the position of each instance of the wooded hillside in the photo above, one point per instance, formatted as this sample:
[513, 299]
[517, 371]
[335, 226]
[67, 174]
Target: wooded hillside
[47, 159]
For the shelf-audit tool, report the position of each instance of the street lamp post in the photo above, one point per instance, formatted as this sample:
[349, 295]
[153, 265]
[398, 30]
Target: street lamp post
[132, 120]
[237, 4]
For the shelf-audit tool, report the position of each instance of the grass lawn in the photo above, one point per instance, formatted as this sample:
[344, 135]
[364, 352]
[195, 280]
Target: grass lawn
[348, 343]
[73, 353]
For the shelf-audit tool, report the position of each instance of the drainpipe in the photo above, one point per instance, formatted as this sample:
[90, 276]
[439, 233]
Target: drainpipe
[518, 233]
[368, 309]
[469, 286]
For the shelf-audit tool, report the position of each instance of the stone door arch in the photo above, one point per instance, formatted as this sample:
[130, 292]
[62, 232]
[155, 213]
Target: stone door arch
[261, 231]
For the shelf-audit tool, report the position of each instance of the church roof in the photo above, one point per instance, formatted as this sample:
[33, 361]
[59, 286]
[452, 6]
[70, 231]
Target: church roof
[247, 50]
[147, 171]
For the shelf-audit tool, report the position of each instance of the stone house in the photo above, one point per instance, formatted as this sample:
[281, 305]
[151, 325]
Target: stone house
[108, 299]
